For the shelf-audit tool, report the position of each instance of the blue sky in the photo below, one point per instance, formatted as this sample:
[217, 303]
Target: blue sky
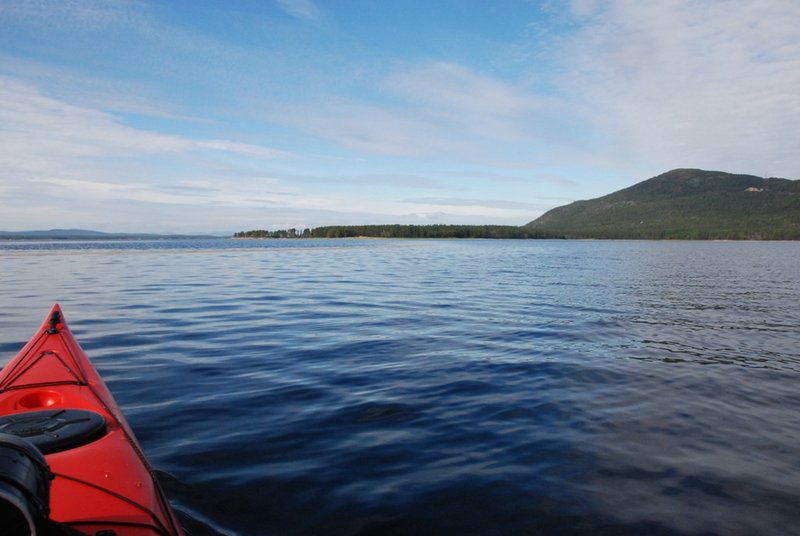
[223, 116]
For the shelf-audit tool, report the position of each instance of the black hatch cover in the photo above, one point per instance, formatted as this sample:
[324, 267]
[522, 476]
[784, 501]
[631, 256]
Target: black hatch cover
[55, 430]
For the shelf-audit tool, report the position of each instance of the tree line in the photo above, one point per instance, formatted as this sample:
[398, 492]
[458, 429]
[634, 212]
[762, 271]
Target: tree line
[404, 231]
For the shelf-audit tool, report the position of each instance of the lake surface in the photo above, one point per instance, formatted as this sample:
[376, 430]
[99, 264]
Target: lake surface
[400, 387]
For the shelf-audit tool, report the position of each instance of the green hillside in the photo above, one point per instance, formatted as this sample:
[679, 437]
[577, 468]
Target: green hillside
[685, 204]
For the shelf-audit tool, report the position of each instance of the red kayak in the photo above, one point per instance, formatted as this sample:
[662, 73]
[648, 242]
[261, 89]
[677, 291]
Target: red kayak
[68, 458]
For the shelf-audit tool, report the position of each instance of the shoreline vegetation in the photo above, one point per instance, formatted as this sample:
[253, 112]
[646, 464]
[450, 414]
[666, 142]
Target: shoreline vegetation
[405, 231]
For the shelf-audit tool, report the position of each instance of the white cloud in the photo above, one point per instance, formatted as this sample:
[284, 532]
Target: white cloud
[527, 208]
[373, 129]
[86, 193]
[457, 96]
[92, 91]
[40, 135]
[241, 148]
[456, 87]
[693, 83]
[437, 109]
[84, 166]
[301, 9]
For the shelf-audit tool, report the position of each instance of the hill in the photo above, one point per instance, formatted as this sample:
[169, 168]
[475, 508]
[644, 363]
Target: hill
[685, 204]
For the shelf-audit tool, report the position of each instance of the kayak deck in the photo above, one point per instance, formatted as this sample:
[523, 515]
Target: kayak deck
[103, 482]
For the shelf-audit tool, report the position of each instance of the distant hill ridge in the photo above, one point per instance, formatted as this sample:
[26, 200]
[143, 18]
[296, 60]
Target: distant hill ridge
[84, 234]
[685, 204]
[56, 233]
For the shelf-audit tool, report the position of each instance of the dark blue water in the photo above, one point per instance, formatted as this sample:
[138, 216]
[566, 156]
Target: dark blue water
[372, 387]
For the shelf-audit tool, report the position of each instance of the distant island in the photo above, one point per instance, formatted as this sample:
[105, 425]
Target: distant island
[84, 234]
[403, 231]
[685, 204]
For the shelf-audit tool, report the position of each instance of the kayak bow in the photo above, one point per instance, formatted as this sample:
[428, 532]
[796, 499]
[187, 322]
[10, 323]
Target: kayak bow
[53, 398]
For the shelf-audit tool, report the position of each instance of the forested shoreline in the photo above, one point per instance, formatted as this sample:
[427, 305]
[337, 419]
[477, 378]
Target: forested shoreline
[403, 231]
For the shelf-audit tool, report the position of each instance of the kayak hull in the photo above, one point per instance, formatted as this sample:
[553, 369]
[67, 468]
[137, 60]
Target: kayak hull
[103, 481]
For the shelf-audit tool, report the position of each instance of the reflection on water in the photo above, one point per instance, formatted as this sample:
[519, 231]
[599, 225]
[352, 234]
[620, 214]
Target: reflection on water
[443, 387]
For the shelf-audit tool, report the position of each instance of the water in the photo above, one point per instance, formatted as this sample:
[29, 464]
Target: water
[371, 387]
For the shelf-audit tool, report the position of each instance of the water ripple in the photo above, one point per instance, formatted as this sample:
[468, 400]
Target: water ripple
[443, 387]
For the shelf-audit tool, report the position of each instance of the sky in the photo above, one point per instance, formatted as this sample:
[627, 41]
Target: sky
[216, 117]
